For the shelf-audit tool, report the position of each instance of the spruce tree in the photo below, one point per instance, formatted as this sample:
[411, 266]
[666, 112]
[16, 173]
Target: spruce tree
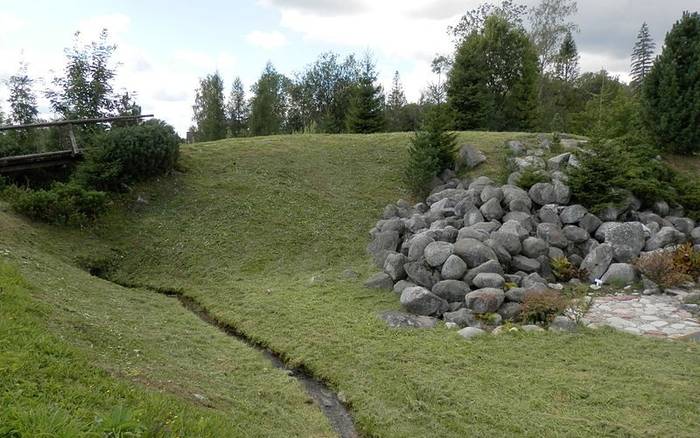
[567, 68]
[395, 106]
[671, 90]
[209, 111]
[237, 109]
[23, 109]
[642, 56]
[268, 104]
[432, 150]
[366, 112]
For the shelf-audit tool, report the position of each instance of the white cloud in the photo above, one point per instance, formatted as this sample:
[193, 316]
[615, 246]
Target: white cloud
[10, 23]
[266, 40]
[117, 24]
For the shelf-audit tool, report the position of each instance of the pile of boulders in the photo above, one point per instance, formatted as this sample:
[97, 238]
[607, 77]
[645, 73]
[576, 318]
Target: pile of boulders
[474, 250]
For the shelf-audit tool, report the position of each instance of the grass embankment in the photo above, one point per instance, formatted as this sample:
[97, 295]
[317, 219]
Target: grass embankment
[249, 224]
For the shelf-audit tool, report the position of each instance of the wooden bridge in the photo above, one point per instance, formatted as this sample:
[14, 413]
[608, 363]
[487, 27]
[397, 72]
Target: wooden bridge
[19, 163]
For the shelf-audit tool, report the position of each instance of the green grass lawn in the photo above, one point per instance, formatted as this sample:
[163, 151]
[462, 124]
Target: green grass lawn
[244, 229]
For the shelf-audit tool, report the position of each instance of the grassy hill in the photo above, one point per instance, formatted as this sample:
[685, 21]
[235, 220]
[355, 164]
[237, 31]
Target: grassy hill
[243, 230]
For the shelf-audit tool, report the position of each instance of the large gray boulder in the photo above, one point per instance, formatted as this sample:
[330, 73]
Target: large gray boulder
[420, 274]
[420, 301]
[491, 266]
[436, 253]
[514, 227]
[463, 318]
[451, 291]
[558, 162]
[454, 268]
[695, 235]
[549, 214]
[542, 194]
[469, 157]
[393, 266]
[622, 274]
[382, 245]
[534, 247]
[683, 224]
[417, 246]
[562, 193]
[474, 252]
[455, 195]
[471, 332]
[510, 241]
[576, 234]
[597, 261]
[486, 279]
[515, 147]
[380, 280]
[572, 214]
[661, 208]
[552, 234]
[401, 285]
[664, 237]
[394, 319]
[491, 192]
[627, 240]
[486, 300]
[502, 254]
[478, 184]
[471, 233]
[525, 264]
[523, 218]
[590, 223]
[473, 216]
[492, 210]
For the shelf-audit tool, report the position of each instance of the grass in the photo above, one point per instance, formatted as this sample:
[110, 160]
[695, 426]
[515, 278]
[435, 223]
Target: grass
[244, 230]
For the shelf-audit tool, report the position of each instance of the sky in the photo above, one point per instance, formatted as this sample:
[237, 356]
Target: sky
[164, 47]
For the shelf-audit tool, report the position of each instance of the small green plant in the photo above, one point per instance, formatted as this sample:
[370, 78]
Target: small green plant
[542, 307]
[531, 176]
[121, 423]
[63, 203]
[556, 147]
[564, 271]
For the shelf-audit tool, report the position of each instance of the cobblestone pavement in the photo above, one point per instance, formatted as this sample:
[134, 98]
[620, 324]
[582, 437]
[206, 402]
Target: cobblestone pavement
[654, 315]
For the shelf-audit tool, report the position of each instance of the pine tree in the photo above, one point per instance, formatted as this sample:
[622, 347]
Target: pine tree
[237, 109]
[567, 68]
[671, 90]
[432, 150]
[209, 111]
[22, 100]
[366, 112]
[642, 56]
[395, 106]
[268, 107]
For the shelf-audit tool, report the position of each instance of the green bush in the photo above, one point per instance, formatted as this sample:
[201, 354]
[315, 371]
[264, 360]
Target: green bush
[125, 155]
[531, 176]
[62, 204]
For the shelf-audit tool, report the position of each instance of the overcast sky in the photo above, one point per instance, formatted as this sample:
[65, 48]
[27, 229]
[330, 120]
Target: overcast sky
[166, 45]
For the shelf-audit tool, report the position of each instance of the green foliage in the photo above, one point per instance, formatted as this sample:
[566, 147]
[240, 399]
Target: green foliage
[129, 154]
[62, 204]
[268, 105]
[671, 268]
[209, 109]
[531, 176]
[608, 169]
[542, 307]
[366, 111]
[671, 91]
[642, 57]
[397, 117]
[493, 81]
[237, 110]
[432, 150]
[564, 271]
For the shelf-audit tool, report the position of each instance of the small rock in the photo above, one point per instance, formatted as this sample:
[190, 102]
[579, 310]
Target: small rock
[380, 280]
[486, 300]
[563, 324]
[453, 268]
[395, 319]
[620, 273]
[420, 301]
[401, 285]
[436, 253]
[491, 280]
[451, 290]
[471, 332]
[531, 328]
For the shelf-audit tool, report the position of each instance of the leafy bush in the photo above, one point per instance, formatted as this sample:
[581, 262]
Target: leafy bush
[129, 154]
[531, 176]
[542, 307]
[564, 270]
[670, 268]
[432, 150]
[62, 204]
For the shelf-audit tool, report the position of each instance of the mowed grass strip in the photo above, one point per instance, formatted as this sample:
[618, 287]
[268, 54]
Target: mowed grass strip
[253, 220]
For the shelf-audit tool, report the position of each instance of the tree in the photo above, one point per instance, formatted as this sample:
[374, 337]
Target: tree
[395, 106]
[22, 100]
[85, 90]
[549, 28]
[493, 81]
[475, 19]
[268, 107]
[671, 90]
[366, 112]
[567, 68]
[432, 150]
[642, 56]
[237, 109]
[209, 110]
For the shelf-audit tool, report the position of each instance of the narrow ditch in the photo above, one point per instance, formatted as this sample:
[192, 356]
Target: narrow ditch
[325, 398]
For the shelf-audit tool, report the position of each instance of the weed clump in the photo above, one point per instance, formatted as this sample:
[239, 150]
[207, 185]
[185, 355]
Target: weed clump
[542, 307]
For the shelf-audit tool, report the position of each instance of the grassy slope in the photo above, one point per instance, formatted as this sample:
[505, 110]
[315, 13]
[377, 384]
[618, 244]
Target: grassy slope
[52, 336]
[252, 220]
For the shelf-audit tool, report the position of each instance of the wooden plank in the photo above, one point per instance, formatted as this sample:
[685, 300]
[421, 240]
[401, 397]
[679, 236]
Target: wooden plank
[34, 161]
[74, 122]
[73, 143]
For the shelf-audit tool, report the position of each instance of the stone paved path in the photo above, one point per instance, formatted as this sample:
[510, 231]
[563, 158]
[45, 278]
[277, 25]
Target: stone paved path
[654, 315]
